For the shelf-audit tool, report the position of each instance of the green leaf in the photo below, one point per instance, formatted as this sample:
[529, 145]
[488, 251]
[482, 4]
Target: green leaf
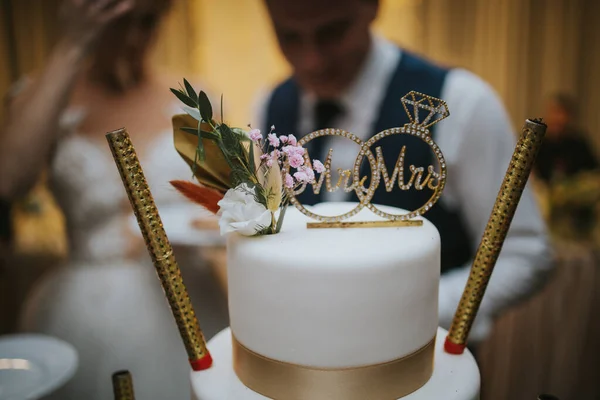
[195, 164]
[205, 134]
[280, 219]
[201, 153]
[241, 134]
[260, 196]
[221, 107]
[252, 187]
[239, 176]
[205, 107]
[231, 143]
[255, 190]
[263, 230]
[190, 91]
[184, 98]
[200, 148]
[251, 157]
[187, 129]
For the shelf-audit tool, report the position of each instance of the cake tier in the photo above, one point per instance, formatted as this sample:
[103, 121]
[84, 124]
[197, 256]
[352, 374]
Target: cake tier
[455, 377]
[335, 298]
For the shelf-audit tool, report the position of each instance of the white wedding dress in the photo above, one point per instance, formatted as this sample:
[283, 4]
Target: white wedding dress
[112, 309]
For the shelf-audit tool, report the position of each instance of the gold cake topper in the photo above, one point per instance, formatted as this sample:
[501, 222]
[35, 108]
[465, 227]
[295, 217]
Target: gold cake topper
[414, 103]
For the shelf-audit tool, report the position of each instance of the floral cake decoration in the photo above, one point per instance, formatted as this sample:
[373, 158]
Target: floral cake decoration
[243, 176]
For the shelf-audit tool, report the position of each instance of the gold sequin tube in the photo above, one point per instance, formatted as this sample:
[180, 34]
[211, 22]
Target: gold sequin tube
[159, 248]
[495, 232]
[123, 386]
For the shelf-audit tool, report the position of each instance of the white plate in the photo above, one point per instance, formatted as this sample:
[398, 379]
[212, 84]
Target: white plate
[32, 366]
[177, 220]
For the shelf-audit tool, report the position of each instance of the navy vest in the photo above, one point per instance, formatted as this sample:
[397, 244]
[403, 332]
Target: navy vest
[412, 73]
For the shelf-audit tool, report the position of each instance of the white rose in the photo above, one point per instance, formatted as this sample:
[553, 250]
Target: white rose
[240, 212]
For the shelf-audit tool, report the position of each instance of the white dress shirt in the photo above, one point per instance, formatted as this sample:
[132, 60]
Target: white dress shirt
[477, 141]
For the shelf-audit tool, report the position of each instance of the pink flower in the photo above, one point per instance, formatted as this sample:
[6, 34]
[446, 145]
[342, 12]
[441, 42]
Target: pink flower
[292, 140]
[284, 139]
[309, 173]
[288, 181]
[255, 135]
[273, 140]
[296, 160]
[291, 150]
[305, 174]
[301, 176]
[318, 166]
[265, 156]
[270, 162]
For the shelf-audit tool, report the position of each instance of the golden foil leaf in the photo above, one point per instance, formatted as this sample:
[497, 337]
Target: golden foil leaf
[214, 171]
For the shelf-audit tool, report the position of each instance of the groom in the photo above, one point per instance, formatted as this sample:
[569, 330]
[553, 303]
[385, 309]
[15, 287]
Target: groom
[346, 77]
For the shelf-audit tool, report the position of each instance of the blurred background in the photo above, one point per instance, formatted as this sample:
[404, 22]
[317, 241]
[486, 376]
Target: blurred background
[528, 50]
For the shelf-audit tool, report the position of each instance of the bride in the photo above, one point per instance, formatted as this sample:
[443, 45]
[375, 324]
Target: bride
[106, 300]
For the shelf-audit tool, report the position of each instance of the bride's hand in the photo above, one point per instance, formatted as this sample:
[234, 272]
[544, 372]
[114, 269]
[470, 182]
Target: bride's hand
[84, 20]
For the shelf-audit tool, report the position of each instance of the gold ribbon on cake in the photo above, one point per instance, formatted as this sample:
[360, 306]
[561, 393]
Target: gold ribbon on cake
[285, 381]
[123, 385]
[159, 248]
[495, 232]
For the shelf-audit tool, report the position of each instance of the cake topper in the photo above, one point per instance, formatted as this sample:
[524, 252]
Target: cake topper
[431, 178]
[248, 178]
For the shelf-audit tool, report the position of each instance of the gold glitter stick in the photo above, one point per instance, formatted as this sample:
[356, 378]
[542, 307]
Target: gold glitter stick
[159, 248]
[123, 386]
[495, 232]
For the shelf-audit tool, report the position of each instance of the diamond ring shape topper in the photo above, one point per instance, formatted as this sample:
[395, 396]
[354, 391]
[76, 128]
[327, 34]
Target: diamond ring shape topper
[436, 109]
[423, 111]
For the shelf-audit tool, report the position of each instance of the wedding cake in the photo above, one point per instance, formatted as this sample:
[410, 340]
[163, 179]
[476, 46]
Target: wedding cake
[335, 314]
[340, 301]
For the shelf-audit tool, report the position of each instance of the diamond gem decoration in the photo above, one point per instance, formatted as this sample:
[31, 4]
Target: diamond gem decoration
[438, 109]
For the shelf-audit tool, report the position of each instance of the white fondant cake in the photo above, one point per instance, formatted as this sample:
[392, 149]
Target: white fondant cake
[313, 297]
[331, 299]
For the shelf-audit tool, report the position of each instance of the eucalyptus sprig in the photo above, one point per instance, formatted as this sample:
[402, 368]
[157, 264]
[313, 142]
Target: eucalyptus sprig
[229, 140]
